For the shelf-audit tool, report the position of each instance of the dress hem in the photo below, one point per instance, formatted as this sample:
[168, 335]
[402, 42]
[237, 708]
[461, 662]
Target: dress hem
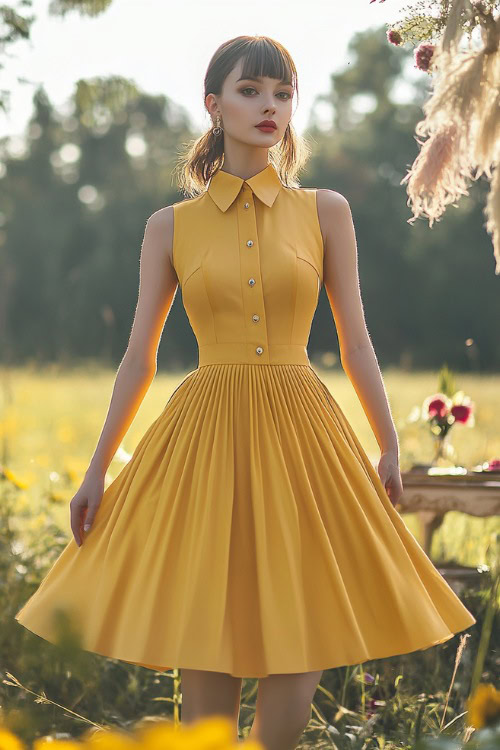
[366, 658]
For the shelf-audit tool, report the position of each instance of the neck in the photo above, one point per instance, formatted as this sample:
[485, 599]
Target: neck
[244, 161]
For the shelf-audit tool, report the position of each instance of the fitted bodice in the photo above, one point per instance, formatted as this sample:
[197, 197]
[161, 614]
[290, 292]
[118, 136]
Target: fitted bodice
[249, 258]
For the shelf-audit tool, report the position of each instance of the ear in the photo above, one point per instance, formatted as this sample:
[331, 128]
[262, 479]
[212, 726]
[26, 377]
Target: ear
[211, 104]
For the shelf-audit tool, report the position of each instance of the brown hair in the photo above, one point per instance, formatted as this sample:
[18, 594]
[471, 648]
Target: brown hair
[204, 156]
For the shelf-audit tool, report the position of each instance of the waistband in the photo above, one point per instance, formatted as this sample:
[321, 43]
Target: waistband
[251, 354]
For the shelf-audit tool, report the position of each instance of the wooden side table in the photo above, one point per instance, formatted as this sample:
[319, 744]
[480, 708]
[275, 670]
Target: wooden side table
[432, 496]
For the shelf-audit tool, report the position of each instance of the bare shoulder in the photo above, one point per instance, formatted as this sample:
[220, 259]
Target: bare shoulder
[161, 222]
[332, 207]
[327, 197]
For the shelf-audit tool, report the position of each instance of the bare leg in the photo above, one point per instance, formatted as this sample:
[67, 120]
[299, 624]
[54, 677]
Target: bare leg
[207, 693]
[283, 709]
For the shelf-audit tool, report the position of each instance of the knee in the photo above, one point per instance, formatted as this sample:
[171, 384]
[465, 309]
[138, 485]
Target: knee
[208, 694]
[296, 714]
[284, 707]
[304, 716]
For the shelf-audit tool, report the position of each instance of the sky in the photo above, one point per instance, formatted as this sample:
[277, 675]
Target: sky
[165, 47]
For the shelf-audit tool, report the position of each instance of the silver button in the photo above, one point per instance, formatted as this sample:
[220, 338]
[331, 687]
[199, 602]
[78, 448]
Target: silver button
[250, 243]
[251, 282]
[259, 350]
[247, 205]
[255, 317]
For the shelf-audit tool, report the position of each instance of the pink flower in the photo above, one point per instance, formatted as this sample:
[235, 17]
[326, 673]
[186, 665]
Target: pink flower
[437, 407]
[394, 37]
[461, 412]
[494, 465]
[423, 56]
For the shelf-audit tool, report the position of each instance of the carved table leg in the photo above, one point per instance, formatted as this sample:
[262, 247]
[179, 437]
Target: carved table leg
[430, 520]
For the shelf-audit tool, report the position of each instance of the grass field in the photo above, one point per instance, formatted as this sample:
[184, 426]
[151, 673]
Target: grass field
[51, 421]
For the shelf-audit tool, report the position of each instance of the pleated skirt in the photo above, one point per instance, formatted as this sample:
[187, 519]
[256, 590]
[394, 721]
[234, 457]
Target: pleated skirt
[249, 534]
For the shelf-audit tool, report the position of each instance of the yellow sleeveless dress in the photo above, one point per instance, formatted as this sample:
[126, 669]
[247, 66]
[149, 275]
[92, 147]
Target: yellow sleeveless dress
[249, 533]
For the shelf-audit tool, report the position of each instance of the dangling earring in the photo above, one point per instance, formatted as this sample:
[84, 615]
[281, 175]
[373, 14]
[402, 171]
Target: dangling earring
[217, 130]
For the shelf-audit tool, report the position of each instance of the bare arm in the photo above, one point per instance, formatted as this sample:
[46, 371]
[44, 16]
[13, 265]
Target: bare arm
[157, 287]
[341, 283]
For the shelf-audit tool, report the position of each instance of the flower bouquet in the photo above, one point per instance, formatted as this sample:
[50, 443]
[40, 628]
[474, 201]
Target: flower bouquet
[441, 412]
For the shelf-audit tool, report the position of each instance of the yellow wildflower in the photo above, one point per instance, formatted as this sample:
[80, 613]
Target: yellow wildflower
[110, 739]
[484, 706]
[49, 743]
[9, 741]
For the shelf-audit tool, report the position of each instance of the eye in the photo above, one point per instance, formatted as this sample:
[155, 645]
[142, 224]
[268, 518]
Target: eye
[251, 88]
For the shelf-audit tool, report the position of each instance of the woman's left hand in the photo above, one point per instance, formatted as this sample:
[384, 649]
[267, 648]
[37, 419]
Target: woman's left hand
[390, 474]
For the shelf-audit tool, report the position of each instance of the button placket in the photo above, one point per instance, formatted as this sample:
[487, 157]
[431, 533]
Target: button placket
[253, 298]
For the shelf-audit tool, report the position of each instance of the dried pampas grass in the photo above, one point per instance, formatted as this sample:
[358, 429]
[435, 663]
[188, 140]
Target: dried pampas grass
[462, 120]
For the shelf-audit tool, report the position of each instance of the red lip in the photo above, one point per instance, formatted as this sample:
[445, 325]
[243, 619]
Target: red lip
[267, 124]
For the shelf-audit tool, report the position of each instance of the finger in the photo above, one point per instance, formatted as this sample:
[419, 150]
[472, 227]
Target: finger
[83, 525]
[75, 528]
[80, 519]
[88, 521]
[390, 494]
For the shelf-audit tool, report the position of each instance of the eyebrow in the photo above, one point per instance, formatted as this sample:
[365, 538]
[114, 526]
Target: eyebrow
[259, 79]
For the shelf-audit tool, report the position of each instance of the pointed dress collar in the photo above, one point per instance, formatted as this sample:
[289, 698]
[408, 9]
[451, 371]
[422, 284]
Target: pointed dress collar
[224, 187]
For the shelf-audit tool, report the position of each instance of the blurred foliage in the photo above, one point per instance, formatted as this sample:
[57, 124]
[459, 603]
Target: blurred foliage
[77, 191]
[16, 22]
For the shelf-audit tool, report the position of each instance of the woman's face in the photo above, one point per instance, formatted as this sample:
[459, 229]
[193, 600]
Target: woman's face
[243, 104]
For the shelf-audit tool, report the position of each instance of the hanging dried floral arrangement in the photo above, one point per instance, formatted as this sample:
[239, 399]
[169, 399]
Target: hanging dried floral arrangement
[462, 114]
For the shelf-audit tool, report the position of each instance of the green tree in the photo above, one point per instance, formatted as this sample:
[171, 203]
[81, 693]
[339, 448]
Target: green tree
[425, 291]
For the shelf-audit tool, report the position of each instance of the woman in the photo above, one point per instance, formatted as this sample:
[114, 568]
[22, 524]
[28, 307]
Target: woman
[249, 535]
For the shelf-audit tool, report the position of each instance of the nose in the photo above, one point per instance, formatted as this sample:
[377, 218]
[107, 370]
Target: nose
[271, 108]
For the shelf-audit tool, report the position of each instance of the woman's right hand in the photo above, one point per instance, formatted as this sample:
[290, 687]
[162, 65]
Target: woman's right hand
[85, 504]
